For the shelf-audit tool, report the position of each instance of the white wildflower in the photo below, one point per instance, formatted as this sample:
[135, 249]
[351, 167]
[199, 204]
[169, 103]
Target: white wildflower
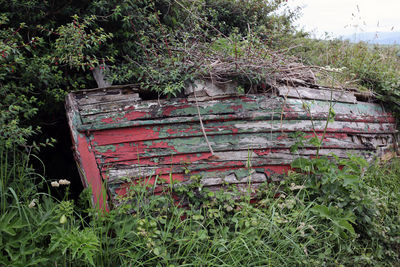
[33, 203]
[64, 182]
[55, 184]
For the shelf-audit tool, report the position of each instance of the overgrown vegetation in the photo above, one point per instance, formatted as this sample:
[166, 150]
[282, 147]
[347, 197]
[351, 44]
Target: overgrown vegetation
[362, 66]
[322, 214]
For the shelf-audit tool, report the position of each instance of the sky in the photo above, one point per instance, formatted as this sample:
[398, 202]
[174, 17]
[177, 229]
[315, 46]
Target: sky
[346, 17]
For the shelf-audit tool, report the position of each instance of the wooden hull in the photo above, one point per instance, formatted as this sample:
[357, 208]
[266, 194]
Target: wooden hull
[120, 139]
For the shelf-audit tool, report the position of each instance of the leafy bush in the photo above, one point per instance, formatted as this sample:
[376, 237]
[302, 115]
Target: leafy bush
[331, 212]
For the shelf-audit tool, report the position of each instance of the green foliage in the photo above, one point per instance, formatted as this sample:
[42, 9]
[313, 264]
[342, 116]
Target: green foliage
[81, 245]
[169, 38]
[366, 67]
[16, 105]
[76, 47]
[345, 197]
[340, 220]
[327, 213]
[331, 212]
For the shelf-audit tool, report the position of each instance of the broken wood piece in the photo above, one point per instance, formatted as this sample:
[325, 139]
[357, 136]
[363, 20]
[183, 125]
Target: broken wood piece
[308, 93]
[211, 89]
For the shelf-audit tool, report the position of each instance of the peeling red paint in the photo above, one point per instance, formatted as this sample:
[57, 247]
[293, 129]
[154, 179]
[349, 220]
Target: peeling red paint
[172, 131]
[91, 172]
[169, 109]
[282, 137]
[130, 116]
[162, 144]
[279, 169]
[236, 107]
[121, 135]
[183, 159]
[163, 139]
[133, 115]
[107, 120]
[129, 151]
[122, 190]
[261, 152]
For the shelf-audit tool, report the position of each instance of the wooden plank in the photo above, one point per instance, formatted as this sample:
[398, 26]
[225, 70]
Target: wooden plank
[227, 160]
[317, 94]
[85, 158]
[247, 156]
[253, 116]
[271, 110]
[129, 175]
[181, 107]
[107, 98]
[154, 132]
[200, 163]
[172, 147]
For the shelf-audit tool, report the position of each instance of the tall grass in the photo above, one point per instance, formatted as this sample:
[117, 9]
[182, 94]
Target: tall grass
[294, 222]
[366, 67]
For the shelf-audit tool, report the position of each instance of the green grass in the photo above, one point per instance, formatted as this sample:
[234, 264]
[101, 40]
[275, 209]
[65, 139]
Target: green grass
[330, 216]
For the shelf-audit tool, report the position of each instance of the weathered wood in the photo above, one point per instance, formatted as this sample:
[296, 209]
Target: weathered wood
[145, 168]
[100, 77]
[85, 159]
[246, 142]
[184, 166]
[109, 98]
[210, 88]
[317, 94]
[121, 139]
[168, 131]
[271, 109]
[270, 156]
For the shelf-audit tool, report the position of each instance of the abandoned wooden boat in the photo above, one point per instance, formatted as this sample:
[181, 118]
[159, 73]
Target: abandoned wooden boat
[225, 138]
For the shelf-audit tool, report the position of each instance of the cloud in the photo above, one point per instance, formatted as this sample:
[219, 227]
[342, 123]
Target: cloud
[342, 17]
